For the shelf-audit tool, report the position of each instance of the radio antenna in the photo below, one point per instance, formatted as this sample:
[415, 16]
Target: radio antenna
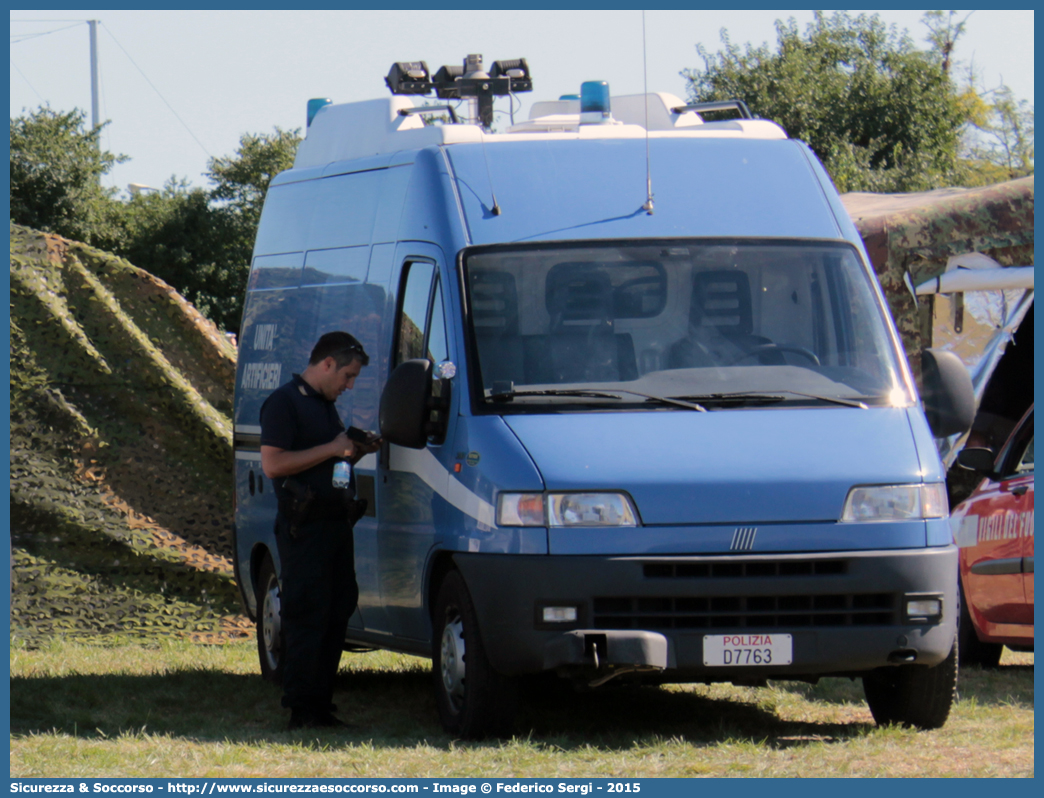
[648, 206]
[495, 210]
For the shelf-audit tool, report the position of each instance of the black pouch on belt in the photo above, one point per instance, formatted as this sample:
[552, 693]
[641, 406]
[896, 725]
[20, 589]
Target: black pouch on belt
[356, 509]
[299, 507]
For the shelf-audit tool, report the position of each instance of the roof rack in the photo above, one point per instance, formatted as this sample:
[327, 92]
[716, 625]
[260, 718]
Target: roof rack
[720, 105]
[431, 109]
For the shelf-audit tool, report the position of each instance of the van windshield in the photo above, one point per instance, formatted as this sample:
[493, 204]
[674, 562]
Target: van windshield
[718, 323]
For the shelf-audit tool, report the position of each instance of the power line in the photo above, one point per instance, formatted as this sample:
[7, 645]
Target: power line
[31, 86]
[18, 38]
[158, 93]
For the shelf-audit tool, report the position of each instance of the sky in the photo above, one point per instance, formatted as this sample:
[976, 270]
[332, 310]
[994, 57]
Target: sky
[180, 87]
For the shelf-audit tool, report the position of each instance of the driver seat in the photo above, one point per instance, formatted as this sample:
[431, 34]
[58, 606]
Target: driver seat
[721, 304]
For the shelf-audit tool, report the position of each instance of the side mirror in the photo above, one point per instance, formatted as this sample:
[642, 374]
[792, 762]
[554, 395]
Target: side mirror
[404, 404]
[949, 398]
[411, 409]
[978, 460]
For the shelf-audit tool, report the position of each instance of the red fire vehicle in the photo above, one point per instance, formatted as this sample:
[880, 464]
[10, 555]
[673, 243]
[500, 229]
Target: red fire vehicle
[994, 530]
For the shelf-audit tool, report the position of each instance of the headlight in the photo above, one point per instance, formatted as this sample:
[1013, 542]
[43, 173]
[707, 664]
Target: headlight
[565, 509]
[896, 502]
[590, 509]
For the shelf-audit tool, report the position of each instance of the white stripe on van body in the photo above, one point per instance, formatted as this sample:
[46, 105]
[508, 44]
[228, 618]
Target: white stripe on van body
[426, 466]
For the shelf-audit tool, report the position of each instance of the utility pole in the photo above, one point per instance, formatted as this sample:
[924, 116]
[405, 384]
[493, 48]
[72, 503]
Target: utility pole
[93, 23]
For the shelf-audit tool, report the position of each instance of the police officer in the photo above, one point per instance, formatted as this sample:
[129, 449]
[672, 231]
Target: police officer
[302, 438]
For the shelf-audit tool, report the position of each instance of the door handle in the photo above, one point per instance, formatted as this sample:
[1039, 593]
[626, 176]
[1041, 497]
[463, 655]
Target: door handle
[1020, 490]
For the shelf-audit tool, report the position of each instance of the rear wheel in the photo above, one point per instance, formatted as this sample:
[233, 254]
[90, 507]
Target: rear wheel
[913, 695]
[972, 650]
[270, 639]
[474, 700]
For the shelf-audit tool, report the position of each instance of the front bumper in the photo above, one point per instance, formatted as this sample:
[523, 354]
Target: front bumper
[844, 610]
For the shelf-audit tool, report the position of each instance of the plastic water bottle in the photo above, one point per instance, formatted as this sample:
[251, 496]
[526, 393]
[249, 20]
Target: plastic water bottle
[342, 474]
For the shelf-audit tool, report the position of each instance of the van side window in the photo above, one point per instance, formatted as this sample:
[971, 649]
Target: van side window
[1025, 465]
[414, 310]
[438, 349]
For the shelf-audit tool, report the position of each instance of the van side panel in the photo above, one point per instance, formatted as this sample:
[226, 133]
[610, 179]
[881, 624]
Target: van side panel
[432, 210]
[343, 209]
[285, 219]
[271, 346]
[389, 210]
[309, 276]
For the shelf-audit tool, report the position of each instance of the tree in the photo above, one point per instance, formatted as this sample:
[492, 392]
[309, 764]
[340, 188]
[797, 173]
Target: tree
[177, 235]
[198, 240]
[201, 241]
[56, 171]
[997, 141]
[240, 183]
[943, 32]
[880, 114]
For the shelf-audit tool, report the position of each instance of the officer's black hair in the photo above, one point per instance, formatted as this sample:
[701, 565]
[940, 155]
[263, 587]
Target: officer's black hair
[341, 346]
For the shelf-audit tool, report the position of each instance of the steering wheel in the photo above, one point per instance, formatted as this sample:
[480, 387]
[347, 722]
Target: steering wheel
[763, 348]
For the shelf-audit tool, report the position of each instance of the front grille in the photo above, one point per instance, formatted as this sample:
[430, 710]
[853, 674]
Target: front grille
[748, 612]
[743, 568]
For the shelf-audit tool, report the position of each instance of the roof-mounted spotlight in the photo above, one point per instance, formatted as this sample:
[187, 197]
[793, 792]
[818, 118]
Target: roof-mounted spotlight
[465, 81]
[446, 82]
[409, 77]
[517, 70]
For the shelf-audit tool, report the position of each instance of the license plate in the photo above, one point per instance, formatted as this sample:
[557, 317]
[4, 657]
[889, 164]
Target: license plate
[744, 650]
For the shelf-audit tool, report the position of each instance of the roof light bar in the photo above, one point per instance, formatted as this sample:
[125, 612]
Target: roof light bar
[314, 105]
[594, 102]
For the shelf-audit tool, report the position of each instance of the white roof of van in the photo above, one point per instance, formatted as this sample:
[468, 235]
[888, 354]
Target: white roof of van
[388, 125]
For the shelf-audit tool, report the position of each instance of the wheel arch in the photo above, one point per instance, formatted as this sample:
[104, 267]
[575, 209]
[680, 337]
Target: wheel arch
[442, 563]
[237, 575]
[257, 557]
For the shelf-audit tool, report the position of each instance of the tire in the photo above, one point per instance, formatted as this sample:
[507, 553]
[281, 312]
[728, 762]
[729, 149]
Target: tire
[270, 639]
[474, 700]
[972, 650]
[913, 695]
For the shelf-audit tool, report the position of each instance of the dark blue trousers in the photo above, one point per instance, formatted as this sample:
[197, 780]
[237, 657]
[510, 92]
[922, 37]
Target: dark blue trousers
[318, 594]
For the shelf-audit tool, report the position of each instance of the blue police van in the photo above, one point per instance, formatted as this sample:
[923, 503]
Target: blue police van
[646, 414]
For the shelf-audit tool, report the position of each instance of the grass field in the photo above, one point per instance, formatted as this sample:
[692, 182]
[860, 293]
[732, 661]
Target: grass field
[189, 710]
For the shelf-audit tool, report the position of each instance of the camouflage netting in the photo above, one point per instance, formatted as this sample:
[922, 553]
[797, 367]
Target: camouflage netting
[916, 234]
[121, 452]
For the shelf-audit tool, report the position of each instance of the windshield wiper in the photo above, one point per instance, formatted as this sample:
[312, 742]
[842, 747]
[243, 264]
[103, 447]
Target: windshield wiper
[769, 397]
[734, 398]
[507, 396]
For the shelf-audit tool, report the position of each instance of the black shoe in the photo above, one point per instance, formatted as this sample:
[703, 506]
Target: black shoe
[329, 719]
[310, 719]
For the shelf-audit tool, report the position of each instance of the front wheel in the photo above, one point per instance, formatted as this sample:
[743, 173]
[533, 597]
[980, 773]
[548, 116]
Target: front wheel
[913, 695]
[270, 639]
[474, 700]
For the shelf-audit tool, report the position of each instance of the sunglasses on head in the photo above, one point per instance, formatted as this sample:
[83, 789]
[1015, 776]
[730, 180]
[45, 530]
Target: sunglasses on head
[354, 349]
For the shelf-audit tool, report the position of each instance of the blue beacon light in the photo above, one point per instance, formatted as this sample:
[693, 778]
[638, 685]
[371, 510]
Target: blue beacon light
[594, 102]
[313, 108]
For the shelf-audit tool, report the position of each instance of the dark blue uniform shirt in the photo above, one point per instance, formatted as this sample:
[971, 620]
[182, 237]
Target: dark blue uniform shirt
[295, 417]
